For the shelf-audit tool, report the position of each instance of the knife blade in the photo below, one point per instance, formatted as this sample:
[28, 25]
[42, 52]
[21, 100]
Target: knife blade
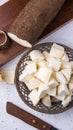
[27, 117]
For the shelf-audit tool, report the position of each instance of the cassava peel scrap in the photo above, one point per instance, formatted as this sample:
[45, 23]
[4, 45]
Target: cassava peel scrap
[32, 21]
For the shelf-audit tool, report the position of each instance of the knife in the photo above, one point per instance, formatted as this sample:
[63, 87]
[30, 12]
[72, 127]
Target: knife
[27, 117]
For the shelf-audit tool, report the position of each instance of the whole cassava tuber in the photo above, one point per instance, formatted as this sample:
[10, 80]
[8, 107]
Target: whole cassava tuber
[32, 21]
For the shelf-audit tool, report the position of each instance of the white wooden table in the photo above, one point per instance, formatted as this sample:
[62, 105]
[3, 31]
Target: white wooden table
[62, 121]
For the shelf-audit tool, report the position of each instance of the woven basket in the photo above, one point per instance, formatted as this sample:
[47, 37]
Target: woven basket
[23, 90]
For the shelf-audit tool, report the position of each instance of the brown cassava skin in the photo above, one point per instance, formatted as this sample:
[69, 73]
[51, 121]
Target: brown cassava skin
[34, 18]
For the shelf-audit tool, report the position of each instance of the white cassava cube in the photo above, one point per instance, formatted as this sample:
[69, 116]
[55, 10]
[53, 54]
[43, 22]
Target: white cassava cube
[52, 91]
[55, 63]
[65, 58]
[46, 55]
[65, 65]
[60, 97]
[63, 89]
[34, 97]
[23, 75]
[60, 77]
[33, 83]
[67, 73]
[66, 101]
[44, 74]
[36, 55]
[71, 63]
[30, 69]
[57, 51]
[43, 63]
[52, 83]
[71, 87]
[71, 80]
[46, 101]
[42, 90]
[25, 78]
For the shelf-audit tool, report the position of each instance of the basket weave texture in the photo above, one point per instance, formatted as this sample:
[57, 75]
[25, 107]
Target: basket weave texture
[23, 90]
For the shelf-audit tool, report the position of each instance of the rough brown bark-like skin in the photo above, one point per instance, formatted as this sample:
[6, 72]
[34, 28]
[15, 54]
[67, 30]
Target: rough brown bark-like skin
[34, 18]
[5, 42]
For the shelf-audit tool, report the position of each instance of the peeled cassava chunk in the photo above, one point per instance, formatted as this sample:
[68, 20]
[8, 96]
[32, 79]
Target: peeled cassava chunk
[32, 21]
[71, 80]
[34, 97]
[60, 97]
[66, 65]
[54, 63]
[67, 73]
[52, 91]
[71, 87]
[60, 78]
[36, 55]
[8, 76]
[28, 72]
[42, 90]
[52, 83]
[63, 90]
[65, 58]
[30, 68]
[43, 63]
[46, 101]
[25, 78]
[46, 55]
[71, 63]
[57, 51]
[66, 101]
[44, 74]
[33, 83]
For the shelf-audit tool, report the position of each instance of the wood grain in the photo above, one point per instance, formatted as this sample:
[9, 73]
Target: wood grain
[11, 9]
[27, 117]
[8, 13]
[64, 15]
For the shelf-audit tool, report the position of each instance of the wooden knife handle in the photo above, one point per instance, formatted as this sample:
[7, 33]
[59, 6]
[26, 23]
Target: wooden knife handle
[27, 117]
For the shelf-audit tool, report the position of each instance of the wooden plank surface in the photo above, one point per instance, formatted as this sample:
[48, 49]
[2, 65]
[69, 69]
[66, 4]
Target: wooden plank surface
[11, 9]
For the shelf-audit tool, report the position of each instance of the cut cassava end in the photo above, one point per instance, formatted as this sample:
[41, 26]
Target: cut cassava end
[19, 41]
[33, 19]
[4, 40]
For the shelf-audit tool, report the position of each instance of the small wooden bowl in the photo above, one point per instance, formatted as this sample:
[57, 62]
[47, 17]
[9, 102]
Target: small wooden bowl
[23, 90]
